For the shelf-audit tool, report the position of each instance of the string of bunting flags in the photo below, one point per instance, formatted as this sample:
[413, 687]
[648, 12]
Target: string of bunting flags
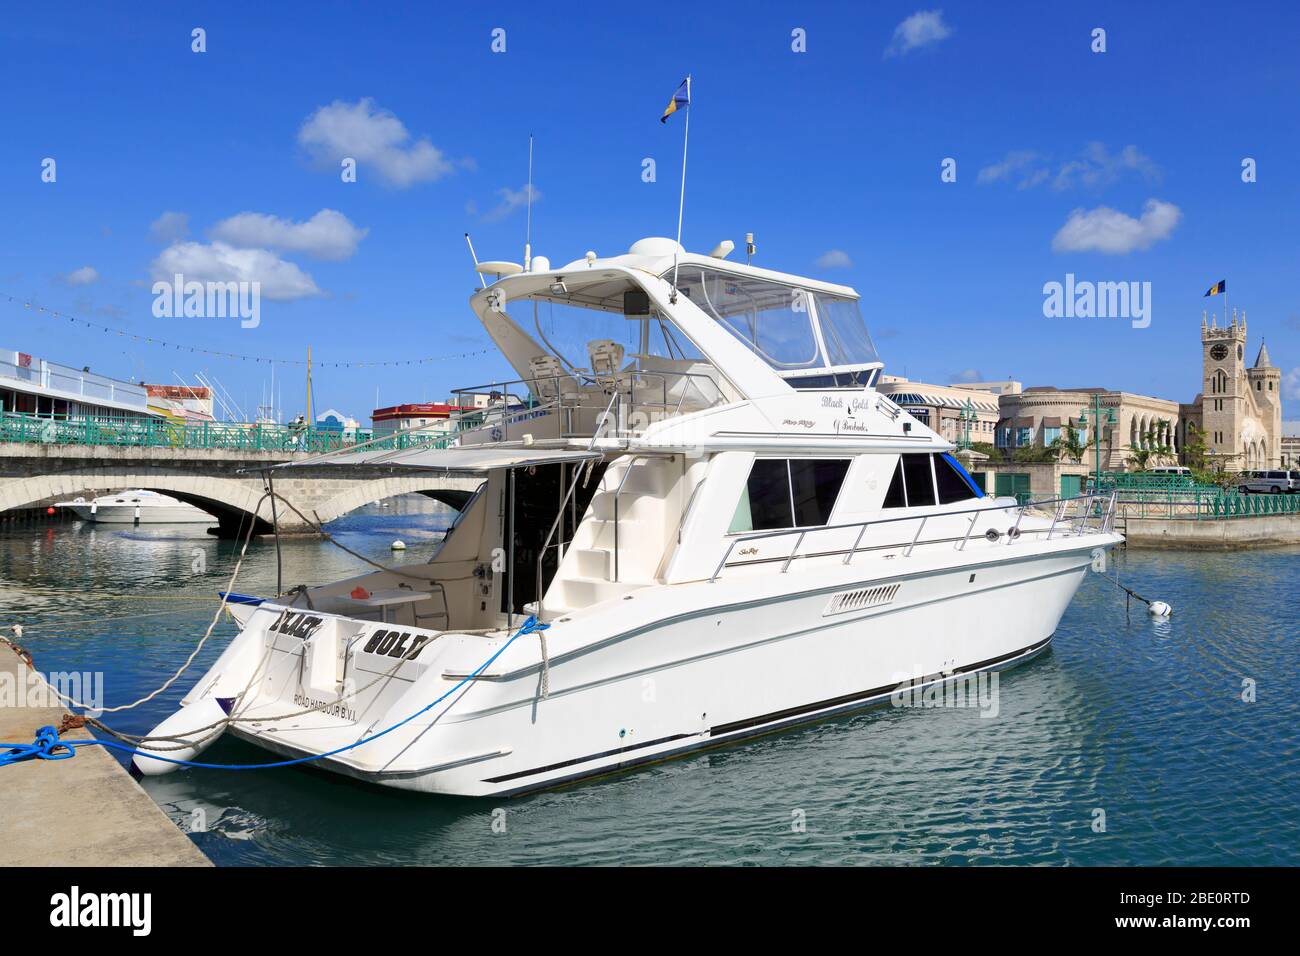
[152, 340]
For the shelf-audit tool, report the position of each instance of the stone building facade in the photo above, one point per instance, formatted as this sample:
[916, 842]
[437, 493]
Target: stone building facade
[1239, 408]
[1040, 414]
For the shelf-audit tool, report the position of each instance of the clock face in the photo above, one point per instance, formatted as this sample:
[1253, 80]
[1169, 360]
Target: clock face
[1219, 352]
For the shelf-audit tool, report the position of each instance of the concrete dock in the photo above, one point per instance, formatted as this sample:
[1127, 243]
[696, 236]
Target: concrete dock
[1223, 534]
[86, 811]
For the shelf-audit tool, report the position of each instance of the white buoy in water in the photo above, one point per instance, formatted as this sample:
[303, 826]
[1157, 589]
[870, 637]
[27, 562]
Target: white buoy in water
[398, 545]
[1159, 609]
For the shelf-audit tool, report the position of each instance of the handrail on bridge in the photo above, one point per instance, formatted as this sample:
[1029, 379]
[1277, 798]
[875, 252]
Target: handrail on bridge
[203, 435]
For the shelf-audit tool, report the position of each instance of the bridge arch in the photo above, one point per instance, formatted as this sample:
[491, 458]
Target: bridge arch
[230, 501]
[451, 490]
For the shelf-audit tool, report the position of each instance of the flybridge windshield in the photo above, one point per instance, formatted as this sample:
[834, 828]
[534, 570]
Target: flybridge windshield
[568, 331]
[789, 328]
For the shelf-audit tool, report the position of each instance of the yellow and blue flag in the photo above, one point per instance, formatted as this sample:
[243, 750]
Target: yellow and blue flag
[681, 99]
[1219, 288]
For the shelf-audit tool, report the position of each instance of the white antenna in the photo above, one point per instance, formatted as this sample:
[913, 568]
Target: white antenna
[681, 203]
[528, 230]
[469, 242]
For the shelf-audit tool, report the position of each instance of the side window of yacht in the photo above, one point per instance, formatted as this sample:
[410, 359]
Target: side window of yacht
[815, 484]
[765, 502]
[788, 493]
[920, 480]
[953, 482]
[896, 497]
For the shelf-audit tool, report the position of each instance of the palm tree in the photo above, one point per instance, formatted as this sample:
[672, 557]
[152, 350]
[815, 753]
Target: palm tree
[1139, 457]
[1068, 444]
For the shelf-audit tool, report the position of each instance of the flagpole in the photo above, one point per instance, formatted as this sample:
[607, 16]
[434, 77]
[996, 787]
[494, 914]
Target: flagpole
[681, 202]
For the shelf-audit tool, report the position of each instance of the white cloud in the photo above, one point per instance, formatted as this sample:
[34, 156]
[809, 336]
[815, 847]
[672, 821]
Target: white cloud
[376, 139]
[170, 226]
[968, 375]
[221, 262]
[83, 276]
[1291, 385]
[511, 200]
[1094, 168]
[327, 235]
[1110, 231]
[834, 259]
[920, 29]
[1022, 163]
[1098, 167]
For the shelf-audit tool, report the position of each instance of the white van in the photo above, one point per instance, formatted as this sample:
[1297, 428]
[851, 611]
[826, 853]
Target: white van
[1268, 482]
[1178, 470]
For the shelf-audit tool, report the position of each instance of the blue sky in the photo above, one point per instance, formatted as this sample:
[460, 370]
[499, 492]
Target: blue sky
[838, 148]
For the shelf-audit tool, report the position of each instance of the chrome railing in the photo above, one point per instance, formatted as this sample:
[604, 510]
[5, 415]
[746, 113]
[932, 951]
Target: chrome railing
[1090, 507]
[629, 391]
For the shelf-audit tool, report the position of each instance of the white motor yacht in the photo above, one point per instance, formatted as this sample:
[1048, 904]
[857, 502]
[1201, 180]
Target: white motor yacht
[137, 506]
[723, 527]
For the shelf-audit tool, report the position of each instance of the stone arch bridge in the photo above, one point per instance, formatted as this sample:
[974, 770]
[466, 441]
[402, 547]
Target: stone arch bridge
[218, 481]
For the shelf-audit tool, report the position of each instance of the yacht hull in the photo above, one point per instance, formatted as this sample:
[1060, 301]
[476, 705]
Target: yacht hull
[674, 670]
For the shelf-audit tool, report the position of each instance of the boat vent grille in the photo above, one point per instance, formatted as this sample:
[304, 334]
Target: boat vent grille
[861, 598]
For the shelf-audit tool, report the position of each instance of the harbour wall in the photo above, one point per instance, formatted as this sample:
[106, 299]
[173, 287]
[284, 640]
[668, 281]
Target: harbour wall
[1221, 534]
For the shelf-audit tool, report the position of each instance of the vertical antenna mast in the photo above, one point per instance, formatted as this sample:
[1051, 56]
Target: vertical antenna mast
[528, 229]
[681, 203]
[470, 242]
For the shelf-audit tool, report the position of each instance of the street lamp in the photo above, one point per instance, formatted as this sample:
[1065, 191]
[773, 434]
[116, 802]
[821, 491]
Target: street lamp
[967, 416]
[1101, 416]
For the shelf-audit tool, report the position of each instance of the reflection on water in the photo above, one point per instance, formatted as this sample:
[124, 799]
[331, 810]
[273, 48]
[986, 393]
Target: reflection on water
[1141, 719]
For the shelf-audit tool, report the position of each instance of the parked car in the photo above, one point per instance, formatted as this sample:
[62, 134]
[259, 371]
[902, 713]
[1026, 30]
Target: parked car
[1268, 482]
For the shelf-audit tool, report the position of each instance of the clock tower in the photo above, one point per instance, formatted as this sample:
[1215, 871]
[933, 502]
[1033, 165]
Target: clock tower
[1242, 429]
[1223, 390]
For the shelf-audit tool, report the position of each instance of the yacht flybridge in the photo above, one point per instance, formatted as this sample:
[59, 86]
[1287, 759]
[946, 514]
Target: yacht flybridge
[703, 523]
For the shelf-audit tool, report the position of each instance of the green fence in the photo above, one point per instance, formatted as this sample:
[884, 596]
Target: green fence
[1179, 496]
[164, 433]
[1245, 506]
[1147, 482]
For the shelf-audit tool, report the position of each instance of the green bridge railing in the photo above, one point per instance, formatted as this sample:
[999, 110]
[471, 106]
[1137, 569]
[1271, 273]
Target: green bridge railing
[1178, 496]
[237, 436]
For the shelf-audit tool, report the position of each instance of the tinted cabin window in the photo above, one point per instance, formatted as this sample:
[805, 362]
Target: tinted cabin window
[787, 494]
[920, 482]
[895, 497]
[765, 502]
[952, 486]
[815, 483]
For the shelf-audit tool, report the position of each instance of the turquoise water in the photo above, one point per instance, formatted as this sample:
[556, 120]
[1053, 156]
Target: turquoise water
[1144, 721]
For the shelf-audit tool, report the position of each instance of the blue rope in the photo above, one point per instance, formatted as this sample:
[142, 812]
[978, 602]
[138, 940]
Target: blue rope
[47, 746]
[47, 738]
